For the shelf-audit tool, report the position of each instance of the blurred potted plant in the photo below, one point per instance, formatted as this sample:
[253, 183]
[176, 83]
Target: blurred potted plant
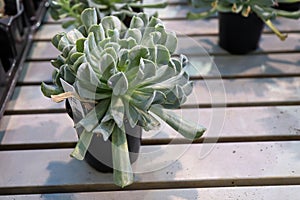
[61, 9]
[35, 11]
[118, 79]
[14, 42]
[14, 32]
[241, 21]
[4, 86]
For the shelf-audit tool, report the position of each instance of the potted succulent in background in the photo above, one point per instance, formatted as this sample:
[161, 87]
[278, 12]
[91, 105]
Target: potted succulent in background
[241, 22]
[35, 11]
[61, 9]
[118, 79]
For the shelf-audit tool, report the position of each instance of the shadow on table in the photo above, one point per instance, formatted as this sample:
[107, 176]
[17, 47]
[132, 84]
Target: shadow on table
[69, 175]
[57, 197]
[75, 173]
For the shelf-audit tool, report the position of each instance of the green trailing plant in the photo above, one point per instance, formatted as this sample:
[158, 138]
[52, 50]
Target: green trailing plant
[71, 9]
[2, 10]
[128, 74]
[264, 9]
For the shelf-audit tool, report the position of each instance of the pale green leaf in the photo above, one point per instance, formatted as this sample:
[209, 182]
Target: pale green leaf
[147, 121]
[163, 55]
[93, 48]
[98, 31]
[49, 90]
[123, 174]
[89, 17]
[119, 83]
[90, 57]
[105, 129]
[107, 66]
[63, 42]
[131, 114]
[56, 39]
[92, 119]
[85, 73]
[111, 23]
[75, 56]
[136, 22]
[171, 42]
[144, 17]
[86, 91]
[117, 110]
[74, 35]
[136, 53]
[135, 34]
[158, 97]
[187, 129]
[111, 51]
[82, 145]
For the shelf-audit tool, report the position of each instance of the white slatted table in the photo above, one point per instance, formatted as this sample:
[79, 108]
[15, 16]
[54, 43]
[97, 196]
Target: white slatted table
[252, 144]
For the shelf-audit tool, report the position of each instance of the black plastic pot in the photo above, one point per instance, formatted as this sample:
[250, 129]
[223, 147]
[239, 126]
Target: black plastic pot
[15, 41]
[238, 34]
[35, 11]
[99, 154]
[3, 84]
[14, 34]
[10, 7]
[288, 6]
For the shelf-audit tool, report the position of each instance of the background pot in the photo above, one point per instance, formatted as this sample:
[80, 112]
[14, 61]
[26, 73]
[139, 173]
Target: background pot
[35, 11]
[127, 19]
[14, 35]
[3, 84]
[10, 7]
[99, 154]
[238, 34]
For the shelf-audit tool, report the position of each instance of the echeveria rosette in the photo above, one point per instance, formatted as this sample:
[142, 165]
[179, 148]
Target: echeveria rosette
[263, 8]
[72, 9]
[129, 74]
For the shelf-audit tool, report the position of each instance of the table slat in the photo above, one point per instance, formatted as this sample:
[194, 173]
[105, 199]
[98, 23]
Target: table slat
[43, 50]
[205, 93]
[230, 124]
[191, 27]
[36, 72]
[227, 66]
[168, 166]
[245, 193]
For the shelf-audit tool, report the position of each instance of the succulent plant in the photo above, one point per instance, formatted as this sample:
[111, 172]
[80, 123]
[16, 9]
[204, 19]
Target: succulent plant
[127, 73]
[264, 9]
[60, 9]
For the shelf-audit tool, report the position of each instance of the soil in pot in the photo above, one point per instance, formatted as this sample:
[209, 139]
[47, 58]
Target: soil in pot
[238, 34]
[99, 154]
[288, 6]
